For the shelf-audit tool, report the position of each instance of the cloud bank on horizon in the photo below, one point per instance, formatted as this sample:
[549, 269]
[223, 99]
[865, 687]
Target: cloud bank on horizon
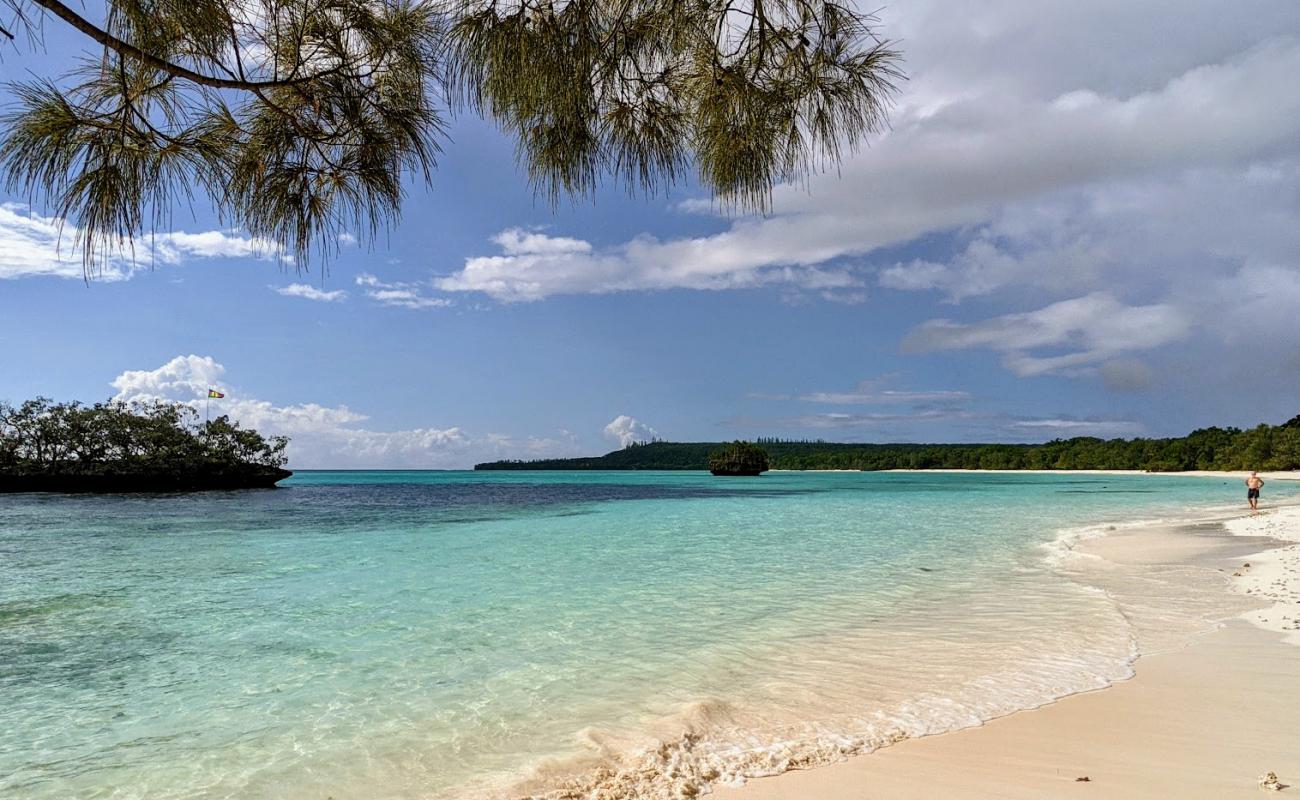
[328, 437]
[337, 437]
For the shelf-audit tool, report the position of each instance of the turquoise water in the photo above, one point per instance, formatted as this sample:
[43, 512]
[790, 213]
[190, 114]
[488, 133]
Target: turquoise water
[449, 634]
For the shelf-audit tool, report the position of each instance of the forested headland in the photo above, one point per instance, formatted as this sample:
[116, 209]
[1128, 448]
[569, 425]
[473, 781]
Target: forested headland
[131, 447]
[1264, 447]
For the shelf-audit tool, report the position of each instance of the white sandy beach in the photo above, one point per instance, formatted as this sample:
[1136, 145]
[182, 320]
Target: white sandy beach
[1205, 720]
[1198, 473]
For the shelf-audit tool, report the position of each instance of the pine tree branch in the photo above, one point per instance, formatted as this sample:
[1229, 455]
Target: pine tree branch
[131, 51]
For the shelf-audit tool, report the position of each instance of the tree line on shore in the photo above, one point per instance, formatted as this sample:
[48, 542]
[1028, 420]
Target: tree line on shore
[142, 445]
[1264, 447]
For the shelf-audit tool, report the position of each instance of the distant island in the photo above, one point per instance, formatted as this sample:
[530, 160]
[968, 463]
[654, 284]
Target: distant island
[1264, 447]
[136, 447]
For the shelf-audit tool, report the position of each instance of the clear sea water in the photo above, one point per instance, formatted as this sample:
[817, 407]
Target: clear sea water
[455, 634]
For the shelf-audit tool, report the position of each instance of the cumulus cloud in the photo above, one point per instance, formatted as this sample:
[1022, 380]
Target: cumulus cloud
[34, 245]
[330, 436]
[399, 295]
[309, 292]
[537, 266]
[959, 153]
[517, 241]
[1089, 329]
[1175, 234]
[178, 246]
[627, 430]
[181, 379]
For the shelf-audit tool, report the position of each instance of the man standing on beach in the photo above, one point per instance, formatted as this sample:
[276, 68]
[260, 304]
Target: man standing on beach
[1253, 483]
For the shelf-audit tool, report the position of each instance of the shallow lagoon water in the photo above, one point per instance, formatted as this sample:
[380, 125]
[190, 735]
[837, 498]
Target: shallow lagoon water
[427, 634]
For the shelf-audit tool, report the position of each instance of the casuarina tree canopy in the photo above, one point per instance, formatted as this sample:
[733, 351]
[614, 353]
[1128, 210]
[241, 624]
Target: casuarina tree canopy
[302, 119]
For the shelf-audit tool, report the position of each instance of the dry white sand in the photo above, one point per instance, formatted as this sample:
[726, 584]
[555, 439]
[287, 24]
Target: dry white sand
[1197, 473]
[1205, 721]
[1273, 575]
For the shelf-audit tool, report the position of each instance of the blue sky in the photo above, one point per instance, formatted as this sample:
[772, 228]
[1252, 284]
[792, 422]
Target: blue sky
[1084, 221]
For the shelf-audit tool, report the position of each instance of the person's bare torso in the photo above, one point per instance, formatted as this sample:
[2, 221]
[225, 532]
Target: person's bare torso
[1254, 482]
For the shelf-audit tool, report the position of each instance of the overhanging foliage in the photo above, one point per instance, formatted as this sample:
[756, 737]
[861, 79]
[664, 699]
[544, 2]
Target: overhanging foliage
[302, 119]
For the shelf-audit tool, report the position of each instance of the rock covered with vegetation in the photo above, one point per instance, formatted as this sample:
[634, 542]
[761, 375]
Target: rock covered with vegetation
[738, 458]
[131, 447]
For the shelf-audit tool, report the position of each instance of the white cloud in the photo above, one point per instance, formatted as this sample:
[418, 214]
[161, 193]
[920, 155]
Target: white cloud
[406, 298]
[627, 430]
[957, 424]
[33, 245]
[965, 144]
[309, 292]
[29, 245]
[330, 436]
[843, 420]
[544, 266]
[346, 238]
[399, 295]
[1067, 428]
[870, 392]
[178, 246]
[1090, 329]
[517, 241]
[182, 378]
[1175, 234]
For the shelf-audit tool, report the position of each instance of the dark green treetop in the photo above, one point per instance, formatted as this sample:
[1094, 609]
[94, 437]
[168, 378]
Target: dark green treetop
[738, 458]
[43, 437]
[1263, 447]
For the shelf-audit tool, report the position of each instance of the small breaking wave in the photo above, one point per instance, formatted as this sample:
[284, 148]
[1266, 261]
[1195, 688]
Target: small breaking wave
[1104, 612]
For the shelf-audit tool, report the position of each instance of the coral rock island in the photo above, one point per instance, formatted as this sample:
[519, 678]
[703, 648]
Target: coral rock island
[738, 458]
[137, 447]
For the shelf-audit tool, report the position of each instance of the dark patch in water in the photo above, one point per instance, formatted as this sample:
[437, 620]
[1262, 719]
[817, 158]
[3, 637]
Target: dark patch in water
[354, 505]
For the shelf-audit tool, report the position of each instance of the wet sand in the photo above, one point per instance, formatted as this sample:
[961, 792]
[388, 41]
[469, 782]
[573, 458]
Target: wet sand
[1205, 720]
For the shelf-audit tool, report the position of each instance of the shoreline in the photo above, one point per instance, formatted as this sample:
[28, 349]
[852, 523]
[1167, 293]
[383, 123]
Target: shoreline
[1162, 576]
[1272, 475]
[1197, 473]
[1138, 739]
[1202, 719]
